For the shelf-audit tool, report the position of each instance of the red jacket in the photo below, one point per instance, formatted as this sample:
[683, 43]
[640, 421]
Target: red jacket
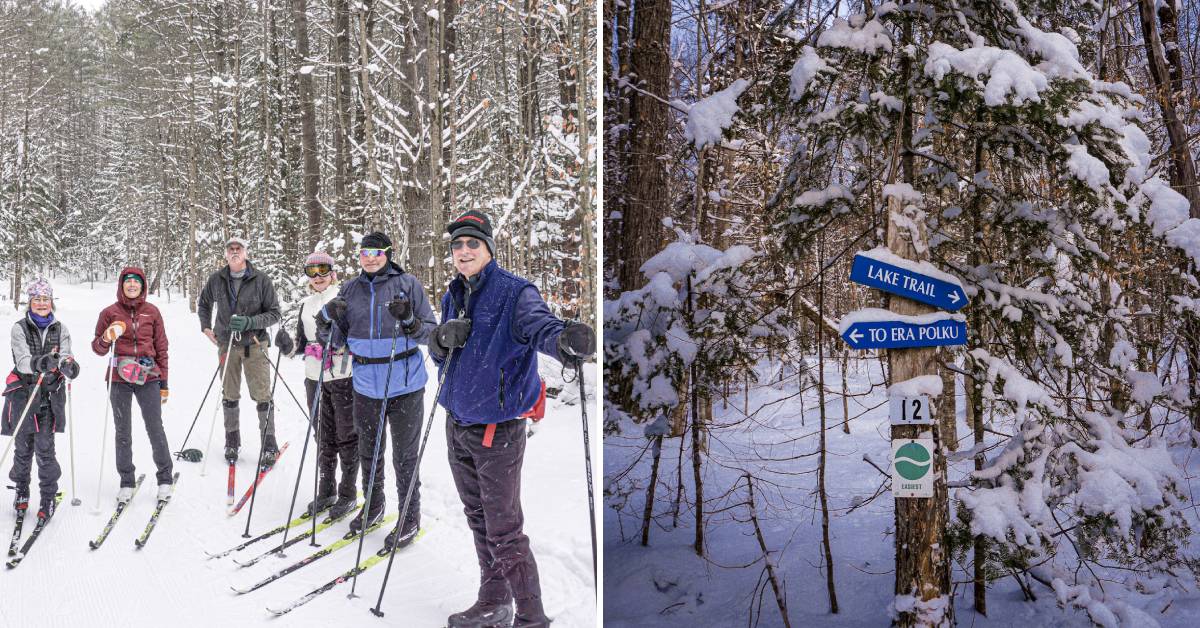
[145, 335]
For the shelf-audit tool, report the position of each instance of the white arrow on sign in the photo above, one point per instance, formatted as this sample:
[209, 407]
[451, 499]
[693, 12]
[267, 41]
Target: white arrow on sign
[856, 335]
[954, 297]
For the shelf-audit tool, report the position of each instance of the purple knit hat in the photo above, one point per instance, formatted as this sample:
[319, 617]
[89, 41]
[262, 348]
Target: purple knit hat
[39, 287]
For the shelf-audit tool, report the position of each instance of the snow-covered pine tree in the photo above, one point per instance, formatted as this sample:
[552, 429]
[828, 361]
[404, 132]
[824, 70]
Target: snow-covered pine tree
[1029, 169]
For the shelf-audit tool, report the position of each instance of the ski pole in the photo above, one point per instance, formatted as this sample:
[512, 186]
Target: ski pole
[312, 418]
[412, 482]
[316, 416]
[75, 501]
[462, 313]
[382, 425]
[262, 434]
[302, 407]
[104, 433]
[222, 362]
[203, 400]
[21, 420]
[587, 457]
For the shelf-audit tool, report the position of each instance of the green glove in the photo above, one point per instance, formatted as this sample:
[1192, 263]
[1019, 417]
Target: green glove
[239, 323]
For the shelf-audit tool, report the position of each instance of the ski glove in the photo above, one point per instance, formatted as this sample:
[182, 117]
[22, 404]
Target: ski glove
[69, 367]
[239, 323]
[335, 310]
[452, 334]
[164, 393]
[114, 331]
[44, 363]
[284, 341]
[401, 309]
[576, 343]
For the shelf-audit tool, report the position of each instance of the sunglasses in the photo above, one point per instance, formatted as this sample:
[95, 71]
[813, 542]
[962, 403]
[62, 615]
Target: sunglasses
[471, 243]
[318, 270]
[372, 252]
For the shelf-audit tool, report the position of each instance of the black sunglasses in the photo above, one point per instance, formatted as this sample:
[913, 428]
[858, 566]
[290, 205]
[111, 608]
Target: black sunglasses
[471, 243]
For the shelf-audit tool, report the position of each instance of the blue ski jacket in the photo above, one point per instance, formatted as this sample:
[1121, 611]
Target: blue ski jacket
[494, 377]
[366, 330]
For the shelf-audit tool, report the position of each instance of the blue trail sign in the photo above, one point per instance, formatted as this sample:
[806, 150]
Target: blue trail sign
[907, 283]
[901, 335]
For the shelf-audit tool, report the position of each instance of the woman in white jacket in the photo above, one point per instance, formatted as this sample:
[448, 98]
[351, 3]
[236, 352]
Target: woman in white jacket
[338, 442]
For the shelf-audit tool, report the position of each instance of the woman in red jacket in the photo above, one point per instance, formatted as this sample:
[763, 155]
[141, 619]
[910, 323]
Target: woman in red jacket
[138, 369]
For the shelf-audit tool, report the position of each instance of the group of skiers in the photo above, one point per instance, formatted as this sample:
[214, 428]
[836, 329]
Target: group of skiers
[360, 344]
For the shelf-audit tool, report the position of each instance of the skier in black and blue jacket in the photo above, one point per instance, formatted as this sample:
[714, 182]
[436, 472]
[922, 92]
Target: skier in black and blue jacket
[380, 302]
[496, 323]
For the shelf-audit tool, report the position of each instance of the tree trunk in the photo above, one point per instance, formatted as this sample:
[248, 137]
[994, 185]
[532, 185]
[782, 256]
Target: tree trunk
[922, 562]
[646, 192]
[830, 587]
[308, 127]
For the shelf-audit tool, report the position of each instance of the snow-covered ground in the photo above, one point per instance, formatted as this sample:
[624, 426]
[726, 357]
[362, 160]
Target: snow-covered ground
[170, 582]
[666, 584]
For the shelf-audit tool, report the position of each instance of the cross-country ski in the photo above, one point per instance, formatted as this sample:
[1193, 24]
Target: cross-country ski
[262, 473]
[367, 563]
[163, 500]
[44, 515]
[112, 521]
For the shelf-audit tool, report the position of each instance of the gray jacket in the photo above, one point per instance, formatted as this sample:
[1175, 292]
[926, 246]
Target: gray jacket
[255, 298]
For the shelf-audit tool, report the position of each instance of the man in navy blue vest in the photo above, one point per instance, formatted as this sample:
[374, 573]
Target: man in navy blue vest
[495, 323]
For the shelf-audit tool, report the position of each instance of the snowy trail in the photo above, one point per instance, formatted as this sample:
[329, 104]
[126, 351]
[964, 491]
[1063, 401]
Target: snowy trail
[171, 581]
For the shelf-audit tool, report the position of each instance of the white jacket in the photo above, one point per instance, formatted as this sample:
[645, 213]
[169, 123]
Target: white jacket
[307, 330]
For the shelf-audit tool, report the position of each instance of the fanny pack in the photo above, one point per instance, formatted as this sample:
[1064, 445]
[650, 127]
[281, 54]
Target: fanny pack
[135, 370]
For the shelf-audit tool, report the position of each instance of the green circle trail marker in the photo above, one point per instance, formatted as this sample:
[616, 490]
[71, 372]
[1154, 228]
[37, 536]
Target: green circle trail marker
[912, 467]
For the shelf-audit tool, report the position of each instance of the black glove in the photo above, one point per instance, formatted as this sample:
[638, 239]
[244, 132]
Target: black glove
[400, 308]
[576, 343]
[284, 342]
[44, 363]
[69, 367]
[335, 310]
[452, 334]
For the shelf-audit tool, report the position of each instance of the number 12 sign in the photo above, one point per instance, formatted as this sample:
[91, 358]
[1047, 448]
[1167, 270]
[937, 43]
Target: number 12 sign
[910, 410]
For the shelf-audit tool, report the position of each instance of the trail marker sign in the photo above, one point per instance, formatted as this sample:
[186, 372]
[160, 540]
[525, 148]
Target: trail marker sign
[901, 334]
[910, 410]
[912, 467]
[907, 283]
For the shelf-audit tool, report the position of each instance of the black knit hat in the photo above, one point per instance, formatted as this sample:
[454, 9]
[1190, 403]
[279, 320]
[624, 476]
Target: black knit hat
[475, 224]
[378, 240]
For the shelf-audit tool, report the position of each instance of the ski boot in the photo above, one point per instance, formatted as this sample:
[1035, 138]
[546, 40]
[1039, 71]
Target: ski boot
[530, 614]
[21, 501]
[233, 440]
[320, 504]
[47, 507]
[373, 517]
[270, 451]
[409, 533]
[342, 506]
[483, 615]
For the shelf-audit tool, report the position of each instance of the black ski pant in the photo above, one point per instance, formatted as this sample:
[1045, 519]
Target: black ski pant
[150, 402]
[404, 417]
[336, 435]
[488, 480]
[36, 438]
